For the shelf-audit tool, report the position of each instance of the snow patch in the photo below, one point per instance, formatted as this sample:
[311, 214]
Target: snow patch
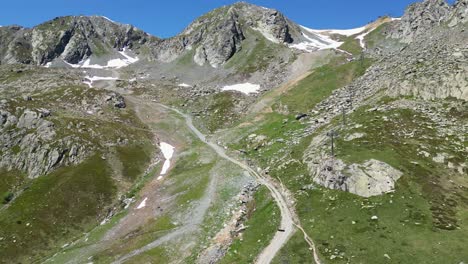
[362, 36]
[47, 65]
[113, 63]
[108, 19]
[167, 151]
[185, 85]
[245, 88]
[90, 80]
[344, 32]
[142, 204]
[315, 41]
[99, 78]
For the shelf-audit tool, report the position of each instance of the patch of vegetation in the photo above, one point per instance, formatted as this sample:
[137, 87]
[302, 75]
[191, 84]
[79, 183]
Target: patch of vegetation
[10, 181]
[7, 197]
[262, 224]
[135, 159]
[295, 251]
[16, 149]
[320, 84]
[376, 36]
[140, 237]
[54, 209]
[155, 255]
[191, 178]
[351, 45]
[13, 75]
[187, 58]
[256, 54]
[99, 49]
[219, 108]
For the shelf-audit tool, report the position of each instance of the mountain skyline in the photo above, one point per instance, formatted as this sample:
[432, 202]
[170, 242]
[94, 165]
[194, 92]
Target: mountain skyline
[168, 19]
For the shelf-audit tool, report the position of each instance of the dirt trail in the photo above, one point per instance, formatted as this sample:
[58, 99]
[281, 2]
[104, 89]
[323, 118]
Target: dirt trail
[288, 220]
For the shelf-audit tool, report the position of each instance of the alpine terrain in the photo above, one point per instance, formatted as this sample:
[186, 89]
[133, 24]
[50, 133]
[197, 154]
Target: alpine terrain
[246, 138]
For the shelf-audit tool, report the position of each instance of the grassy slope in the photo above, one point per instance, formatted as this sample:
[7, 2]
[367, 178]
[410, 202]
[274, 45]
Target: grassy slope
[136, 158]
[351, 45]
[46, 213]
[255, 55]
[10, 182]
[408, 229]
[219, 110]
[320, 85]
[409, 226]
[91, 182]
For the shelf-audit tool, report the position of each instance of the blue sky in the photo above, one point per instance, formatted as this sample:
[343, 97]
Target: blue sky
[165, 18]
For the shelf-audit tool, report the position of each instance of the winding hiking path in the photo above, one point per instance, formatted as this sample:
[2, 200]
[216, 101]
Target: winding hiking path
[287, 220]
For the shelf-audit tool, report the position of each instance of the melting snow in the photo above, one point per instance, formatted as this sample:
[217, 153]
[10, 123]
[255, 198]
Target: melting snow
[97, 78]
[321, 42]
[245, 88]
[184, 85]
[114, 63]
[344, 32]
[108, 19]
[142, 204]
[167, 151]
[361, 38]
[47, 65]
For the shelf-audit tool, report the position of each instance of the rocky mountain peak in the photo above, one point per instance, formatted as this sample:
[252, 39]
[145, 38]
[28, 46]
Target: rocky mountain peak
[218, 35]
[71, 38]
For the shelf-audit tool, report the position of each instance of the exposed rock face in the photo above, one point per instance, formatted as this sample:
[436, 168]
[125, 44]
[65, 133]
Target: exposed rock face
[214, 37]
[218, 35]
[68, 38]
[29, 143]
[371, 178]
[419, 18]
[460, 13]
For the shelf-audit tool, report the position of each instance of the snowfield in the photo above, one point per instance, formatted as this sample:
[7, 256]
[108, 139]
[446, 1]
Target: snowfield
[319, 39]
[114, 63]
[320, 42]
[167, 151]
[246, 88]
[185, 85]
[344, 32]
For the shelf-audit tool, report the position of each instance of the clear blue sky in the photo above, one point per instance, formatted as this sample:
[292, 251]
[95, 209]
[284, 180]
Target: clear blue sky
[164, 18]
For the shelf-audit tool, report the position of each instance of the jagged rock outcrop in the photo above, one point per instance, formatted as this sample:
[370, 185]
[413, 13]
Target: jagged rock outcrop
[30, 143]
[460, 13]
[419, 18]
